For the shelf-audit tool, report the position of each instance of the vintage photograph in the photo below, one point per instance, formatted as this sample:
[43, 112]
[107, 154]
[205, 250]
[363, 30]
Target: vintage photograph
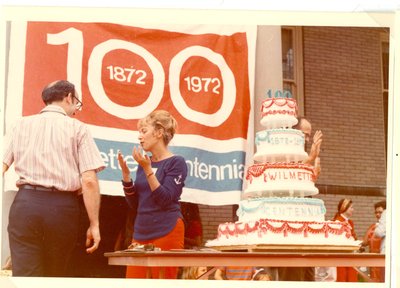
[256, 150]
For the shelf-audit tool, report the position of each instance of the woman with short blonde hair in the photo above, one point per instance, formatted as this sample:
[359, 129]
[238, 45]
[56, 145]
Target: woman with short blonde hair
[156, 190]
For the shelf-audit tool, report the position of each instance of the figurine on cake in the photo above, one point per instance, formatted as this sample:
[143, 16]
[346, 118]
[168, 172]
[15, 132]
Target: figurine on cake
[275, 212]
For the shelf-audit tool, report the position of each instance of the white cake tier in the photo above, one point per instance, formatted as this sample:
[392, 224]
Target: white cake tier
[280, 145]
[280, 179]
[278, 113]
[301, 209]
[266, 231]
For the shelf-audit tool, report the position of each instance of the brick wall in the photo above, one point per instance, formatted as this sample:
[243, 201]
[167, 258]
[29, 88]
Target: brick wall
[343, 98]
[212, 216]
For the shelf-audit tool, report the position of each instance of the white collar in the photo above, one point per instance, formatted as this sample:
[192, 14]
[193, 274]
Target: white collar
[53, 108]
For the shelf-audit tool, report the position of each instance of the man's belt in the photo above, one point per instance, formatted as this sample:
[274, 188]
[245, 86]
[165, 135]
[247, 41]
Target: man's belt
[42, 188]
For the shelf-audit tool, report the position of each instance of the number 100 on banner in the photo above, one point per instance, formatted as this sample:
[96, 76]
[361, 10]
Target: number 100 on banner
[128, 72]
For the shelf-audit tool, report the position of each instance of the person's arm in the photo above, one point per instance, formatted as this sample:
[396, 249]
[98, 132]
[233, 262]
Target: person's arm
[173, 182]
[368, 235]
[8, 156]
[5, 168]
[365, 242]
[219, 274]
[317, 167]
[91, 199]
[380, 230]
[315, 148]
[128, 185]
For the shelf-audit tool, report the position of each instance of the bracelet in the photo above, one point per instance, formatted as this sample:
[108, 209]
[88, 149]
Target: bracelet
[148, 175]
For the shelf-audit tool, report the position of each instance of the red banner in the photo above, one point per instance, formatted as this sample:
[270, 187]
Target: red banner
[126, 72]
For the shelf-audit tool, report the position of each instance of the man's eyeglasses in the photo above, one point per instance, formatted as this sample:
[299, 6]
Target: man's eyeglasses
[78, 104]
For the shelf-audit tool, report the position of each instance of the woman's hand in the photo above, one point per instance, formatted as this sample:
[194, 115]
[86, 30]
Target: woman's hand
[126, 173]
[315, 148]
[142, 159]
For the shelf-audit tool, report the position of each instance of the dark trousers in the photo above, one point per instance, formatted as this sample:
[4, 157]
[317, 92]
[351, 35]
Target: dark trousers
[42, 229]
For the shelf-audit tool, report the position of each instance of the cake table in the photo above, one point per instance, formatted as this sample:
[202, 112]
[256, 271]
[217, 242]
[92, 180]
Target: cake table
[214, 258]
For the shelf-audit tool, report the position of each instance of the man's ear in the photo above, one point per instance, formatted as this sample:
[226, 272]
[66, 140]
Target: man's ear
[69, 98]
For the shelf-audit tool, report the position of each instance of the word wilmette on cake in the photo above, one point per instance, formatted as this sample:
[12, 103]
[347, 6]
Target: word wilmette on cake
[273, 210]
[280, 179]
[278, 171]
[286, 175]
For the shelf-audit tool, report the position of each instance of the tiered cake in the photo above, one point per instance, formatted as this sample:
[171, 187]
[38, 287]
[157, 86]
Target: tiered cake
[273, 210]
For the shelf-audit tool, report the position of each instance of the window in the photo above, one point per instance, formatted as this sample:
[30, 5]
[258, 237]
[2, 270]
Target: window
[385, 80]
[292, 63]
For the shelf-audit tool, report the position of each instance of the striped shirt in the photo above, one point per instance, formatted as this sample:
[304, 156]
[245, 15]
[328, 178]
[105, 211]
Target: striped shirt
[239, 273]
[51, 149]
